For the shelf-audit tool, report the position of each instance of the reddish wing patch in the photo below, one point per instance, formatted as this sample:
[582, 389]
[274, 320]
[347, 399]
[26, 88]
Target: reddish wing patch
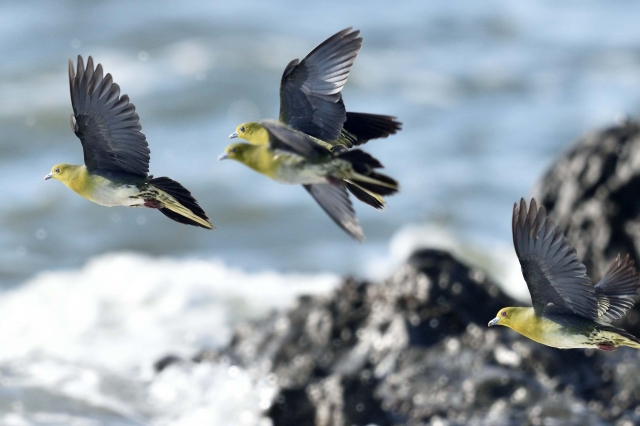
[153, 204]
[334, 181]
[606, 346]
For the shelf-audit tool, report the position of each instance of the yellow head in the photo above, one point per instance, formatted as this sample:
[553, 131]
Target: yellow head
[61, 172]
[236, 151]
[505, 317]
[254, 133]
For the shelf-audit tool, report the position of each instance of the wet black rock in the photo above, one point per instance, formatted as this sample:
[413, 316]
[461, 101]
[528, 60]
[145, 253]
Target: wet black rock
[593, 193]
[416, 349]
[165, 362]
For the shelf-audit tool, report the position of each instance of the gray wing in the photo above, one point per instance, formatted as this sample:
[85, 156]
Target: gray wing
[284, 138]
[106, 123]
[556, 279]
[334, 200]
[616, 290]
[310, 99]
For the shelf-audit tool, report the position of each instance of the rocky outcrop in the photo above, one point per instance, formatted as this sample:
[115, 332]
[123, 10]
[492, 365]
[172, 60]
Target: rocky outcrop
[593, 193]
[416, 349]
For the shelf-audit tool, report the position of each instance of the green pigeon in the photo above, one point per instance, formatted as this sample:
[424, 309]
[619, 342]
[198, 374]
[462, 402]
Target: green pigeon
[568, 310]
[293, 157]
[116, 153]
[311, 102]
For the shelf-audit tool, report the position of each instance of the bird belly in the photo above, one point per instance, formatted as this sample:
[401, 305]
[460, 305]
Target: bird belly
[562, 339]
[110, 195]
[299, 174]
[554, 334]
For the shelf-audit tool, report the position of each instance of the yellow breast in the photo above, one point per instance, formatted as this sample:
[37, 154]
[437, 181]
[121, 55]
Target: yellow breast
[545, 331]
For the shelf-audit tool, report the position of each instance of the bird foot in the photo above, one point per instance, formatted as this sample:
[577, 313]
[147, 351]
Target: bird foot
[334, 181]
[152, 204]
[608, 346]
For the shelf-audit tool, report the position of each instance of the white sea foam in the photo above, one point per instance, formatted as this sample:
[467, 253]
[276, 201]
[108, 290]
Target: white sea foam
[89, 337]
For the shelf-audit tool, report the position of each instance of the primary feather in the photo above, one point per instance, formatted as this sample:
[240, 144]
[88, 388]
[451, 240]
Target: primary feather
[106, 123]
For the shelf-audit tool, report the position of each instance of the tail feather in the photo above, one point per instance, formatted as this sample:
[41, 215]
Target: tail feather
[180, 205]
[365, 177]
[616, 289]
[378, 183]
[361, 161]
[374, 200]
[361, 128]
[619, 336]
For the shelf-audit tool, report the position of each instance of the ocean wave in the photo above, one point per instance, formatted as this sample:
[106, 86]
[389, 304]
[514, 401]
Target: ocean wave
[80, 344]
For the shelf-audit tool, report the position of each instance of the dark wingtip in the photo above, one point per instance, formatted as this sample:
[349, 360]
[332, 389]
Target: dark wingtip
[80, 67]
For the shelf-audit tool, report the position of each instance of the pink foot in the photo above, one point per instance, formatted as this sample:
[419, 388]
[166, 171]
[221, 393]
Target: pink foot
[606, 347]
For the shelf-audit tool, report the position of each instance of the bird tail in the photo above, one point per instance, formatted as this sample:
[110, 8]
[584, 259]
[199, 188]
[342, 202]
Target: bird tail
[617, 337]
[632, 343]
[628, 339]
[360, 128]
[367, 197]
[365, 177]
[177, 203]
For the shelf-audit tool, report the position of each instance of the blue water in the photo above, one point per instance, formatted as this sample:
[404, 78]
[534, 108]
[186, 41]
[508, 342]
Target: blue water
[489, 93]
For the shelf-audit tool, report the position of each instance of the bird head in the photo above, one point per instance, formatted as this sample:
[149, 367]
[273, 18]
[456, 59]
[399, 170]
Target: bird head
[59, 171]
[504, 317]
[235, 151]
[253, 133]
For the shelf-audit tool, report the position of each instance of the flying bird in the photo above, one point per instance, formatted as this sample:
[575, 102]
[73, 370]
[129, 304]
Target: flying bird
[293, 157]
[568, 311]
[116, 153]
[311, 102]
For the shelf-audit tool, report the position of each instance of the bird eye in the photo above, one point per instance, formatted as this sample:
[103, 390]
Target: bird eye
[57, 170]
[232, 150]
[242, 129]
[504, 314]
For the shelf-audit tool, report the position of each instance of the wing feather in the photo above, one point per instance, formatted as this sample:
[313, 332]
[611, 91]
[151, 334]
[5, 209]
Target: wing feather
[335, 201]
[285, 138]
[105, 122]
[556, 279]
[616, 289]
[310, 99]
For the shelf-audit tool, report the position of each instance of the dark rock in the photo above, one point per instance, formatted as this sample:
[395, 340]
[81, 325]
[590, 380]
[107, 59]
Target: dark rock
[292, 407]
[165, 361]
[416, 349]
[593, 193]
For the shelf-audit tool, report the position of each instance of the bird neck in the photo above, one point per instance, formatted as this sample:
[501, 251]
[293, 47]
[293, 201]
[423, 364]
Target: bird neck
[524, 321]
[78, 179]
[258, 136]
[259, 158]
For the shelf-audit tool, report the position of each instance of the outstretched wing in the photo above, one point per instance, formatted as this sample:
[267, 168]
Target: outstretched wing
[310, 99]
[616, 290]
[335, 201]
[106, 123]
[284, 138]
[556, 279]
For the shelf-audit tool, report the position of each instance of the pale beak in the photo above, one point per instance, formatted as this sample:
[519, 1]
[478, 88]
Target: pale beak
[494, 321]
[233, 135]
[223, 157]
[49, 176]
